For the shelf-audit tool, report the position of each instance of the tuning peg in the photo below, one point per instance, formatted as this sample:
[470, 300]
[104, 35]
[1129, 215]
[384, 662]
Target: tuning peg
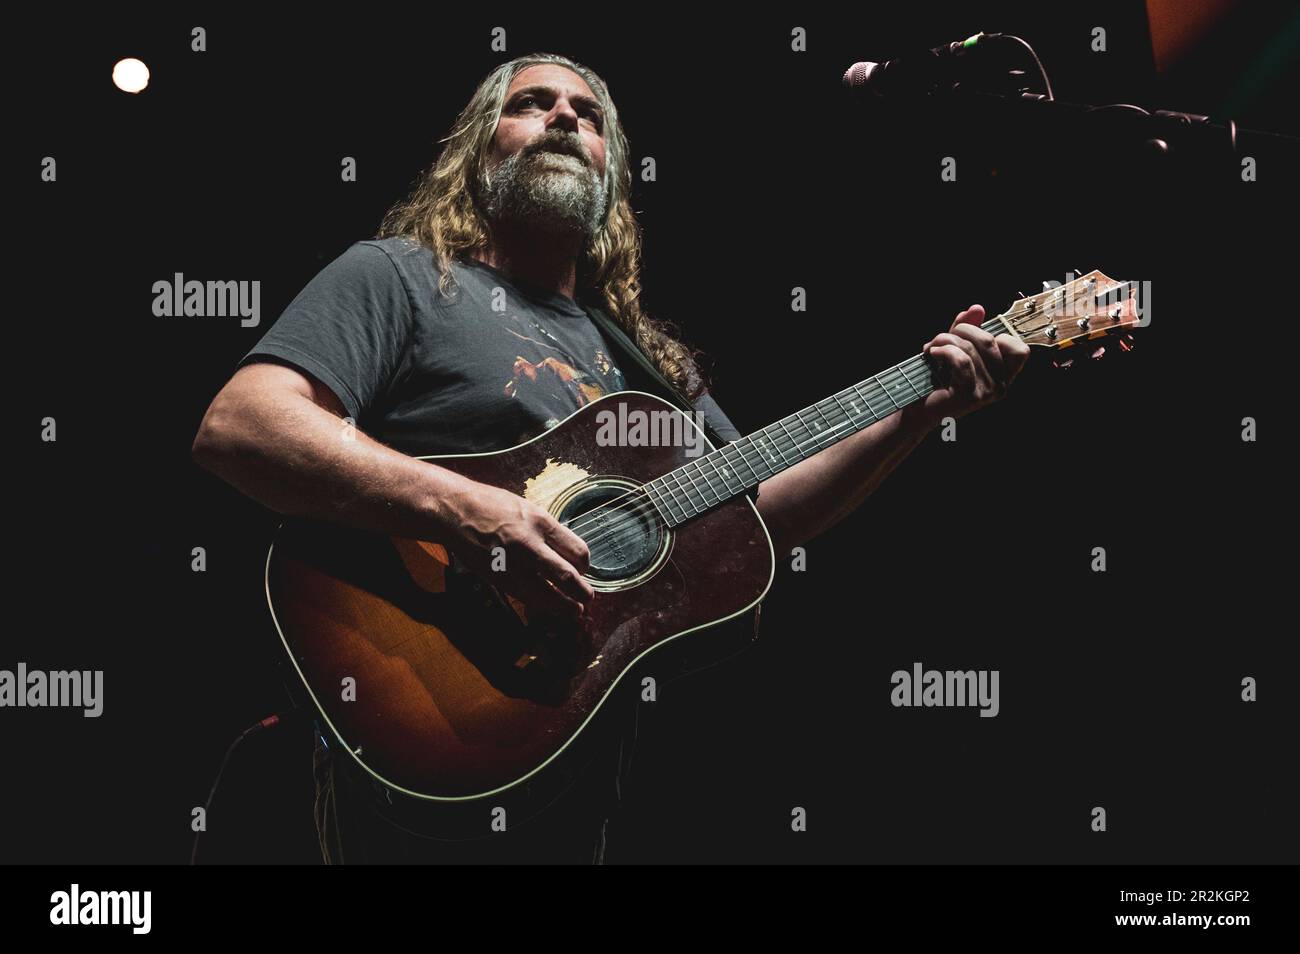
[1099, 353]
[1063, 364]
[1126, 343]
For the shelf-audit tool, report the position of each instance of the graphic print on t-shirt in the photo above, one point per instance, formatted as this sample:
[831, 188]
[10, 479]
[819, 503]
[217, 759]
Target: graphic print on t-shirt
[552, 378]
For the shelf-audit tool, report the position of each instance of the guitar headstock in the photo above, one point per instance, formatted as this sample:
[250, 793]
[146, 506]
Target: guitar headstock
[1091, 306]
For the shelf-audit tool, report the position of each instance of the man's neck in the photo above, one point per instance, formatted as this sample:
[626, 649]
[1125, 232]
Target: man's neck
[542, 261]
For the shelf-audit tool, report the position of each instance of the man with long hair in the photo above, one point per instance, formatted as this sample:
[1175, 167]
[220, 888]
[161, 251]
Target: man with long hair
[465, 327]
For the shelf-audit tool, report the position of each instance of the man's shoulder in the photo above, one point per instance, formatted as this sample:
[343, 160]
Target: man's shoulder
[404, 252]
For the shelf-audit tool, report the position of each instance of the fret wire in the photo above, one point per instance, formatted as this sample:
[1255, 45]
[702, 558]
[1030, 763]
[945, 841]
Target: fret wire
[792, 439]
[835, 432]
[685, 491]
[768, 441]
[881, 415]
[708, 459]
[800, 445]
[741, 451]
[768, 469]
[889, 383]
[858, 388]
[826, 425]
[649, 489]
[848, 417]
[692, 485]
[854, 417]
[699, 471]
[730, 469]
[887, 394]
[857, 399]
[667, 493]
[898, 377]
[908, 379]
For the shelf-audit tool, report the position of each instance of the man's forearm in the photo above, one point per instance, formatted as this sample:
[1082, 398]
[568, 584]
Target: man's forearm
[301, 460]
[812, 496]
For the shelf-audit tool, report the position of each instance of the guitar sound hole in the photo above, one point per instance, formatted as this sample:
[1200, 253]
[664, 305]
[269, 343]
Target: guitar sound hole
[622, 530]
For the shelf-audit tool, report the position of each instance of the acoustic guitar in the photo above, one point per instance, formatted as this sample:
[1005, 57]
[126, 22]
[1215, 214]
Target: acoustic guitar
[459, 708]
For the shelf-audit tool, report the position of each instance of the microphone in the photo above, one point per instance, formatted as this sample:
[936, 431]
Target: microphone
[914, 73]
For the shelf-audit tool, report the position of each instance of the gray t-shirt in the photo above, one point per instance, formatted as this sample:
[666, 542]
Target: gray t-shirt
[487, 369]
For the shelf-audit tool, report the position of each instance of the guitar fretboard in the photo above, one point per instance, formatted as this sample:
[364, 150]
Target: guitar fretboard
[716, 477]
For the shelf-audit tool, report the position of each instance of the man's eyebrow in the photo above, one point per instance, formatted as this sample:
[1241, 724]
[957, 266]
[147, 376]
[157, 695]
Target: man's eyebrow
[580, 99]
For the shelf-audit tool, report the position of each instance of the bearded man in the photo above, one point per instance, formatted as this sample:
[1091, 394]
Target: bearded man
[467, 326]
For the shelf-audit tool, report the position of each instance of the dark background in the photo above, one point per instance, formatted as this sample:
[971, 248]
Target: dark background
[1119, 689]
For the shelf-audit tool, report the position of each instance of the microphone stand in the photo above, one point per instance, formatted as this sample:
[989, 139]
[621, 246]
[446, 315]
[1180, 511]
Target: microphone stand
[984, 94]
[1169, 130]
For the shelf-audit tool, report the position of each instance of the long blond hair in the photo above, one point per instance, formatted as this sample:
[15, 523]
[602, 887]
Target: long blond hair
[441, 214]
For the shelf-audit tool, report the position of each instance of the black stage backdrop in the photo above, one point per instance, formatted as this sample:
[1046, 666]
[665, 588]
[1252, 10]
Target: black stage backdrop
[1120, 689]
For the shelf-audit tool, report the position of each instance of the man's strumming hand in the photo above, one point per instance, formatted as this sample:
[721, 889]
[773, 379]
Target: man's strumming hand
[543, 559]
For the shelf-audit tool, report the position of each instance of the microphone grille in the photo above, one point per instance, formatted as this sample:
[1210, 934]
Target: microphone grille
[859, 73]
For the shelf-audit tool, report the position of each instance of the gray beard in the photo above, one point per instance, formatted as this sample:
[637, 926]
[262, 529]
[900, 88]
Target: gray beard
[547, 192]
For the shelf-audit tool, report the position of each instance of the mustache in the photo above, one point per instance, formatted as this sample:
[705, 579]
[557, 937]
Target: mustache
[567, 145]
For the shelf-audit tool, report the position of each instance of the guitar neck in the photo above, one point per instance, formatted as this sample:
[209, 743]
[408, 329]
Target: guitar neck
[718, 476]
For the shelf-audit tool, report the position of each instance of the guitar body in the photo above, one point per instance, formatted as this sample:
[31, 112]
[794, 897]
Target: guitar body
[451, 700]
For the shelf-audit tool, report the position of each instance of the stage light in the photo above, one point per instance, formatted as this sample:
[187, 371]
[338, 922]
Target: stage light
[130, 75]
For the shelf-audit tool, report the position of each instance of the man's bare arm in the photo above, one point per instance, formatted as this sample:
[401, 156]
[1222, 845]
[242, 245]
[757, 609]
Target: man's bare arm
[279, 436]
[812, 496]
[815, 494]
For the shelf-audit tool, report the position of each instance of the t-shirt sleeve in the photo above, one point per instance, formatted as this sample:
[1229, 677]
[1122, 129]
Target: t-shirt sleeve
[720, 423]
[717, 419]
[349, 327]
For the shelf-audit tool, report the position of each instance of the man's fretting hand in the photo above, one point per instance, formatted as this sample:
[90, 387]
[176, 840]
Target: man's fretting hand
[976, 366]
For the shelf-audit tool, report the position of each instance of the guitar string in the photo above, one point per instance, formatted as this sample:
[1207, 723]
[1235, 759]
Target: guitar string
[621, 516]
[785, 443]
[993, 324]
[876, 388]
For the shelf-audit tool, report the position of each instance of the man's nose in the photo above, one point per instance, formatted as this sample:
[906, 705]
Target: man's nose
[563, 116]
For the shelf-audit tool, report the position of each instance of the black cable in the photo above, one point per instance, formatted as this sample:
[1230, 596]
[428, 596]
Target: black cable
[1047, 84]
[207, 806]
